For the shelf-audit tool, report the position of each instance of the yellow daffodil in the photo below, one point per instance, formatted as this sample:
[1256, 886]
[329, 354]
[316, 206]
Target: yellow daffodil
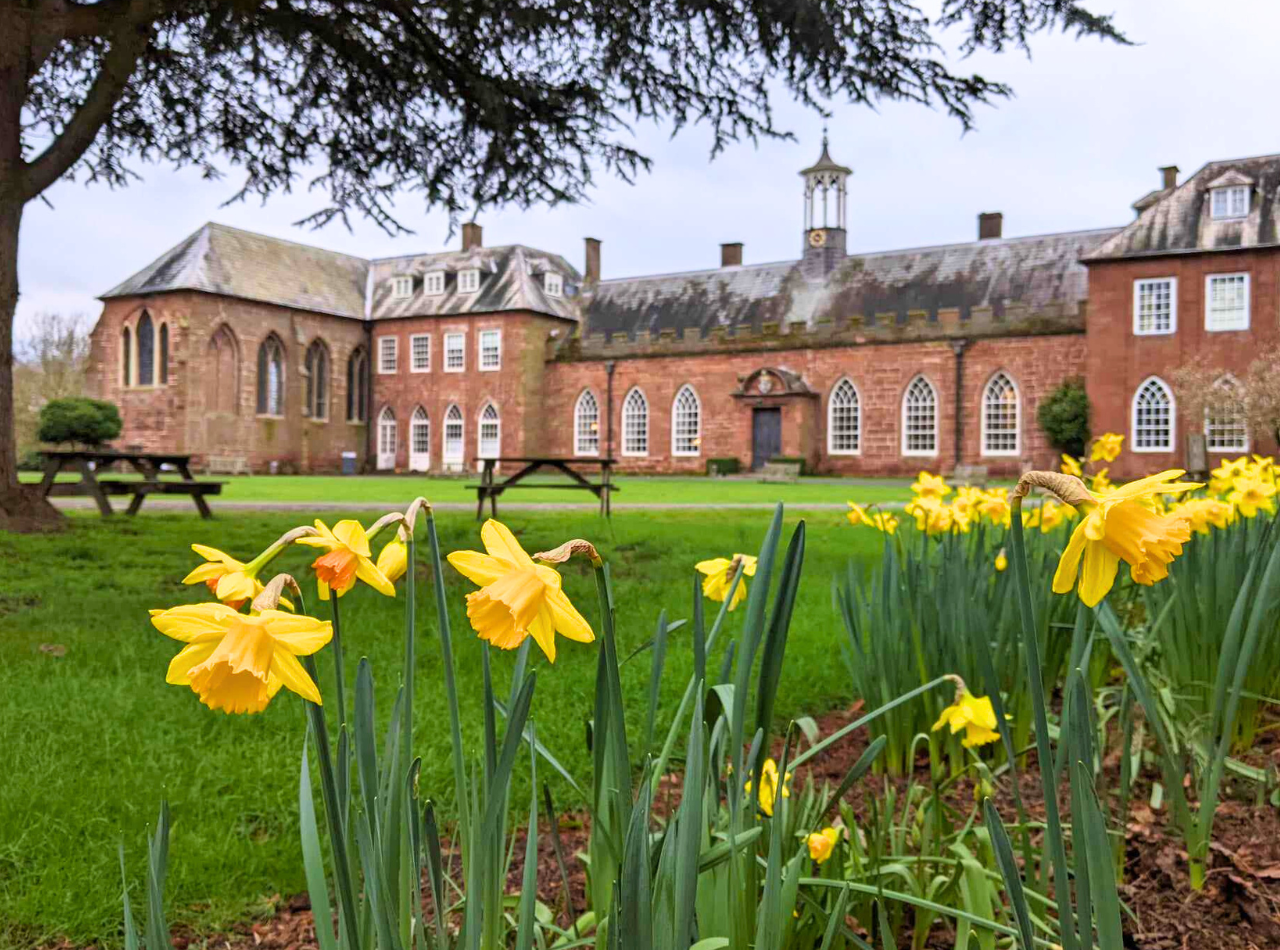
[962, 518]
[719, 573]
[995, 507]
[1099, 482]
[1002, 562]
[1106, 448]
[1205, 513]
[393, 559]
[930, 486]
[769, 786]
[236, 662]
[822, 844]
[1116, 527]
[518, 598]
[346, 558]
[857, 515]
[1071, 466]
[973, 714]
[1251, 494]
[231, 581]
[886, 523]
[968, 497]
[1052, 515]
[1222, 479]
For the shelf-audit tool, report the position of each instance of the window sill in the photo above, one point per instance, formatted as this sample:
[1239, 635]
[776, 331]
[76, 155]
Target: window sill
[490, 369]
[268, 415]
[920, 453]
[1156, 450]
[1173, 332]
[462, 369]
[1007, 454]
[844, 452]
[1209, 329]
[419, 372]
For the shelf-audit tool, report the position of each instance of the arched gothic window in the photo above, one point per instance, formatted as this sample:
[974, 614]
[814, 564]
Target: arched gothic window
[419, 441]
[1153, 417]
[126, 357]
[453, 438]
[1001, 415]
[164, 354]
[387, 438]
[146, 350]
[586, 424]
[920, 418]
[222, 380]
[317, 381]
[635, 423]
[490, 441]
[844, 420]
[271, 377]
[686, 422]
[358, 385]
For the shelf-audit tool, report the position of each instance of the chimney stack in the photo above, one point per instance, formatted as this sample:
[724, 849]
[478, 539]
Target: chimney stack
[1169, 177]
[990, 225]
[472, 236]
[731, 254]
[592, 273]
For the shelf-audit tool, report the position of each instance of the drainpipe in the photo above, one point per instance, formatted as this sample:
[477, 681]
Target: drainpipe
[609, 367]
[368, 397]
[958, 348]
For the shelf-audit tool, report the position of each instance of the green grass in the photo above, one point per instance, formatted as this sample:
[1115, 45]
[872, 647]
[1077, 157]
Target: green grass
[95, 738]
[373, 489]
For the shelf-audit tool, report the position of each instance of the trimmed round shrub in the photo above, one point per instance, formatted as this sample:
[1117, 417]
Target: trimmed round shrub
[79, 420]
[1064, 417]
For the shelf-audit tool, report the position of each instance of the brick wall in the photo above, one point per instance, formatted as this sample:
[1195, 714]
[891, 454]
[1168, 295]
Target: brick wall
[880, 373]
[180, 415]
[515, 389]
[1119, 361]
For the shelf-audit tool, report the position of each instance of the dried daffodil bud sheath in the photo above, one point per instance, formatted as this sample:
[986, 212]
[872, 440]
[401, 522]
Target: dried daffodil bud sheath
[411, 513]
[269, 599]
[1067, 488]
[567, 550]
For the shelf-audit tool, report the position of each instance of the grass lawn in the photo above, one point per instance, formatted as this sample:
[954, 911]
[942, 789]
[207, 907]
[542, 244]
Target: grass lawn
[366, 489]
[94, 738]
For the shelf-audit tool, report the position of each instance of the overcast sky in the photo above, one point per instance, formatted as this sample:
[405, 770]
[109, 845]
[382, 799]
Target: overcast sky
[1079, 142]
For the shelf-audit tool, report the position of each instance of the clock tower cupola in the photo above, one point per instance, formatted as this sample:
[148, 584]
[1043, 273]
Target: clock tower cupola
[825, 202]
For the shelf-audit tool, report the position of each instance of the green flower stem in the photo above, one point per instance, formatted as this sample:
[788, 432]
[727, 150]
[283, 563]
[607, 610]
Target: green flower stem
[1044, 755]
[339, 668]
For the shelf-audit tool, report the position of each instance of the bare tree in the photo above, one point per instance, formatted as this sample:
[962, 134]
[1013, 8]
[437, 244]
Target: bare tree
[1213, 392]
[469, 102]
[51, 363]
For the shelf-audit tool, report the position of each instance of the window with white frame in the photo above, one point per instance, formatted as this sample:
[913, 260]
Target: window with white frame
[490, 442]
[586, 424]
[468, 281]
[490, 349]
[553, 283]
[433, 283]
[1226, 302]
[453, 437]
[844, 420]
[635, 423]
[1153, 418]
[402, 287]
[388, 353]
[1226, 427]
[686, 422]
[1000, 416]
[1230, 202]
[1155, 306]
[920, 418]
[420, 353]
[419, 441]
[455, 360]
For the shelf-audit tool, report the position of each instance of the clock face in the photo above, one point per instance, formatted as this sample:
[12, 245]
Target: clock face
[817, 238]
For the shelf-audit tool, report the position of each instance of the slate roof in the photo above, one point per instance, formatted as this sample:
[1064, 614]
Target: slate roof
[1041, 273]
[511, 278]
[222, 260]
[1179, 222]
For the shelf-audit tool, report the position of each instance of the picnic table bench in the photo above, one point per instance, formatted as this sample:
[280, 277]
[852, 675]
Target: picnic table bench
[147, 464]
[489, 489]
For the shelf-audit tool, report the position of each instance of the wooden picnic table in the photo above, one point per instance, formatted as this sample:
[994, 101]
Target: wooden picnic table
[490, 489]
[147, 464]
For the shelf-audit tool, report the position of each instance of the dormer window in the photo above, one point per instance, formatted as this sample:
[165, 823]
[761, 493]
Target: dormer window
[553, 284]
[1230, 202]
[433, 283]
[468, 281]
[402, 287]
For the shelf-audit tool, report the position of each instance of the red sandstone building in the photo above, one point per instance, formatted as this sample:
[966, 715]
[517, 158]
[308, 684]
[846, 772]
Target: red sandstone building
[236, 344]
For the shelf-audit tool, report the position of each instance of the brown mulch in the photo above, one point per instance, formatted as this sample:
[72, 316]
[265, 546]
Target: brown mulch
[1239, 908]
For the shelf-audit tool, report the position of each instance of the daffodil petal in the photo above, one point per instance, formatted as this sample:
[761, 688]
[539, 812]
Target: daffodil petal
[213, 554]
[500, 542]
[301, 636]
[205, 572]
[543, 631]
[193, 654]
[715, 565]
[566, 619]
[235, 586]
[1099, 573]
[351, 533]
[193, 623]
[368, 572]
[286, 666]
[1064, 578]
[482, 569]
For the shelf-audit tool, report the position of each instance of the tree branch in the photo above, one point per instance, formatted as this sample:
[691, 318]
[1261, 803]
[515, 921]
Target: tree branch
[128, 43]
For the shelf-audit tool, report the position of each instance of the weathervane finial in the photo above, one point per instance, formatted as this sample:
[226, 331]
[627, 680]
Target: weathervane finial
[824, 134]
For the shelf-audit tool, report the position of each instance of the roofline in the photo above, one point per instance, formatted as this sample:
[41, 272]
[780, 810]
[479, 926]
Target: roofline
[454, 315]
[272, 237]
[901, 250]
[1178, 252]
[214, 293]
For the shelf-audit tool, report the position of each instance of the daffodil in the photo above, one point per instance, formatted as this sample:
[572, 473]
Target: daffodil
[1205, 513]
[885, 522]
[995, 507]
[857, 515]
[720, 572]
[231, 581]
[822, 844]
[1002, 562]
[1106, 448]
[237, 662]
[518, 598]
[1052, 515]
[1071, 466]
[346, 558]
[1116, 527]
[1099, 482]
[1222, 479]
[974, 715]
[928, 485]
[769, 786]
[1251, 494]
[393, 559]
